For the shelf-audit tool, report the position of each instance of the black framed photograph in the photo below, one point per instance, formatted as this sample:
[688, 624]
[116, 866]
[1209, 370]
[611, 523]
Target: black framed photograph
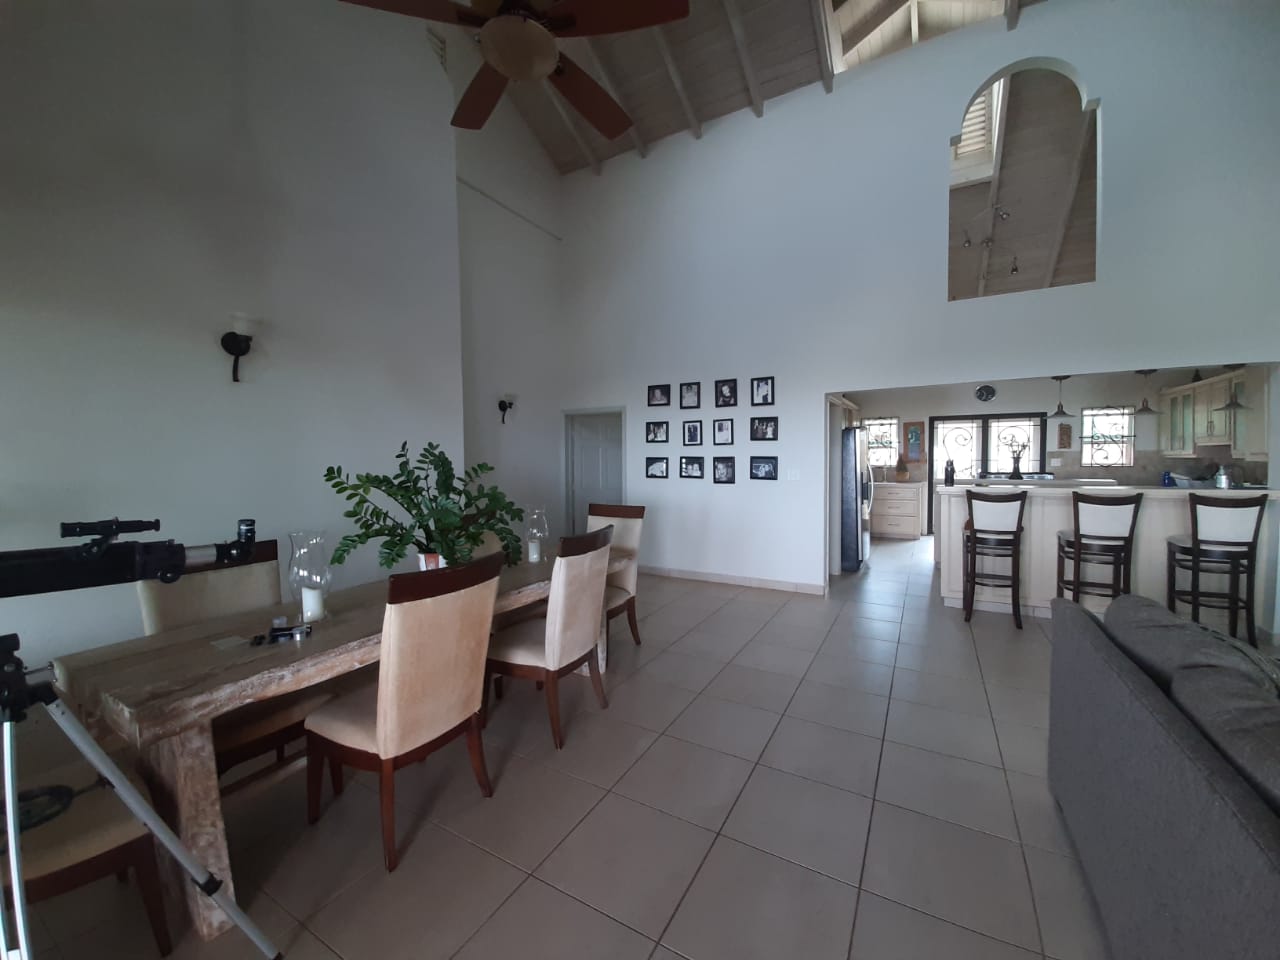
[764, 428]
[655, 468]
[724, 469]
[655, 431]
[762, 391]
[660, 395]
[691, 467]
[727, 393]
[764, 468]
[693, 433]
[722, 433]
[690, 396]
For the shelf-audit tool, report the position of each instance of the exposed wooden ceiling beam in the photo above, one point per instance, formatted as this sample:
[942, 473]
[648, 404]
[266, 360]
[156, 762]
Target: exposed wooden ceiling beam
[744, 55]
[581, 141]
[870, 23]
[1073, 184]
[1002, 112]
[1011, 10]
[823, 40]
[915, 22]
[606, 81]
[677, 81]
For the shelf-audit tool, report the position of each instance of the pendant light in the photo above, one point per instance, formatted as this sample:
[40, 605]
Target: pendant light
[1060, 413]
[1234, 403]
[1146, 409]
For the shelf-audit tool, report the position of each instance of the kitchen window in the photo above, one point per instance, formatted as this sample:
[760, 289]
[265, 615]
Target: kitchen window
[979, 445]
[882, 441]
[1106, 436]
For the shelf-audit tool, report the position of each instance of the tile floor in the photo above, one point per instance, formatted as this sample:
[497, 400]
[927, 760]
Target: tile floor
[860, 777]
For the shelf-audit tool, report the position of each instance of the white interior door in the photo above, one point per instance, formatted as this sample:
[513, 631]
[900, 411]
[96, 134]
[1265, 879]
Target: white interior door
[594, 446]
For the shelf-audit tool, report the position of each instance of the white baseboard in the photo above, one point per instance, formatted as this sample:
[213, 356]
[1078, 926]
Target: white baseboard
[815, 589]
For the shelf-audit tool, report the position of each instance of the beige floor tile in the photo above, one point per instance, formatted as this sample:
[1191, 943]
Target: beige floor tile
[840, 707]
[971, 794]
[629, 861]
[1012, 705]
[889, 931]
[788, 661]
[861, 648]
[713, 646]
[532, 809]
[846, 670]
[940, 630]
[439, 895]
[755, 688]
[690, 671]
[969, 878]
[947, 661]
[1068, 918]
[943, 731]
[1039, 819]
[648, 703]
[801, 635]
[863, 608]
[826, 754]
[809, 823]
[749, 905]
[598, 749]
[541, 923]
[852, 626]
[1025, 749]
[945, 693]
[732, 728]
[687, 781]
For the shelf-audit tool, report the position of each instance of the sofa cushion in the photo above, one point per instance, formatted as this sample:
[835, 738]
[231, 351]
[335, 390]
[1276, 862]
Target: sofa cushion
[1154, 638]
[1236, 705]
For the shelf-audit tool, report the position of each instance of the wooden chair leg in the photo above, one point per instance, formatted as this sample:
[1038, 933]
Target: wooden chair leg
[597, 681]
[152, 893]
[1248, 600]
[1171, 582]
[122, 876]
[1062, 572]
[315, 775]
[970, 585]
[631, 620]
[387, 796]
[552, 690]
[1076, 573]
[538, 685]
[1233, 588]
[335, 775]
[497, 688]
[475, 747]
[280, 753]
[484, 698]
[1016, 572]
[1195, 588]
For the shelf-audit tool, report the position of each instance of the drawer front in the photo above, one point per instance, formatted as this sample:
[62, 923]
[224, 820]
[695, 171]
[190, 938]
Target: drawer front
[897, 508]
[896, 526]
[896, 493]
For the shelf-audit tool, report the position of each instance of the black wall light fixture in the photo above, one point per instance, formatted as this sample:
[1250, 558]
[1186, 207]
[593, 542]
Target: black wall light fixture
[237, 341]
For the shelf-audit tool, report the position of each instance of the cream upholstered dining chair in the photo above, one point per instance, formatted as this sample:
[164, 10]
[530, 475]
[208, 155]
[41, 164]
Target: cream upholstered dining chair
[620, 588]
[435, 633]
[546, 648]
[209, 592]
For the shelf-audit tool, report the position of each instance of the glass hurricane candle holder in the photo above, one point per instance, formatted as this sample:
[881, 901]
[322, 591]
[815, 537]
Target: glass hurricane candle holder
[309, 573]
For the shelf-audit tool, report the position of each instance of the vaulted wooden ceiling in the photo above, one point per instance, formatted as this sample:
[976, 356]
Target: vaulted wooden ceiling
[730, 55]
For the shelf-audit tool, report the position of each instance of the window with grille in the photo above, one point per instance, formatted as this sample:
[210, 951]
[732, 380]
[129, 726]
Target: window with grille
[980, 444]
[959, 441]
[882, 441]
[1007, 436]
[1106, 436]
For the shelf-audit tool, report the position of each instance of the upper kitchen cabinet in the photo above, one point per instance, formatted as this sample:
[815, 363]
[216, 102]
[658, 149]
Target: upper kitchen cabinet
[1178, 436]
[1201, 415]
[1249, 423]
[1213, 424]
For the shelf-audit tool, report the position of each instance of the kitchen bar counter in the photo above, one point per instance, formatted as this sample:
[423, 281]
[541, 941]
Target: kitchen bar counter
[1164, 513]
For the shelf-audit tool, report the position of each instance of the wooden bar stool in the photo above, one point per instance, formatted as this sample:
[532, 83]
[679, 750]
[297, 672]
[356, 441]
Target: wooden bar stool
[1223, 542]
[1103, 536]
[994, 529]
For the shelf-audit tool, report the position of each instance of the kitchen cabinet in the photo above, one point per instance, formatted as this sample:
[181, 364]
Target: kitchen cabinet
[1179, 430]
[898, 510]
[1249, 426]
[1213, 426]
[1192, 418]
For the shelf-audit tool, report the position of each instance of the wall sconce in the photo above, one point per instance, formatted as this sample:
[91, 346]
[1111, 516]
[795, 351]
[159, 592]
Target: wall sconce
[238, 340]
[507, 403]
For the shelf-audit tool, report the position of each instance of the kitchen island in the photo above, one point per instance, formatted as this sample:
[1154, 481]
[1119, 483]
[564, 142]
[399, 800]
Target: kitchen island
[1164, 513]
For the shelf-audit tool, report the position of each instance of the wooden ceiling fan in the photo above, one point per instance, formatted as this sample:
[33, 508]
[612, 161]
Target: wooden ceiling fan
[518, 42]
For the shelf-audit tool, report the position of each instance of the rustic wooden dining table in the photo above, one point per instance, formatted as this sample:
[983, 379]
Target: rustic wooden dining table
[162, 692]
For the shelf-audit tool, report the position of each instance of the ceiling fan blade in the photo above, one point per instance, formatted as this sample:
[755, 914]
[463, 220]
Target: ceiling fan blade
[442, 11]
[588, 18]
[590, 99]
[482, 95]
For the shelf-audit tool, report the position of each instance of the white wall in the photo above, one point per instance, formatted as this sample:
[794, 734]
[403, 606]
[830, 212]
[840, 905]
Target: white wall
[811, 245]
[161, 165]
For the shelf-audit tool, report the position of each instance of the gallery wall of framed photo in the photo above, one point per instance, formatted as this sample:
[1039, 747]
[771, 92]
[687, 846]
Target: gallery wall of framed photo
[754, 429]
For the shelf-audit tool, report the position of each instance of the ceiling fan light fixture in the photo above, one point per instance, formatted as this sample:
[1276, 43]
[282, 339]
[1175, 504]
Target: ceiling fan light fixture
[519, 48]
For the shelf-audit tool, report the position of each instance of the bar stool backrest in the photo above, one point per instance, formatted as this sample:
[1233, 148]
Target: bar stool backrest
[995, 512]
[1102, 517]
[1226, 521]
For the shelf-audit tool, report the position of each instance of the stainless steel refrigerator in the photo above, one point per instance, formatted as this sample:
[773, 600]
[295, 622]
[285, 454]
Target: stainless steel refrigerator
[857, 489]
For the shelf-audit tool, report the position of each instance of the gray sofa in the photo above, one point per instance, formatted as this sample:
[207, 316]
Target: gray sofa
[1164, 755]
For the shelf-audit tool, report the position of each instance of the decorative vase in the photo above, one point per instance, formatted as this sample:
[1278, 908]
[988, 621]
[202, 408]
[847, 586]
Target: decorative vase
[1016, 472]
[309, 573]
[901, 472]
[537, 536]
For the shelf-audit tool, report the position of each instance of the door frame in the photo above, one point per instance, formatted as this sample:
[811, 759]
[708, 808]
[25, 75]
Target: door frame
[566, 458]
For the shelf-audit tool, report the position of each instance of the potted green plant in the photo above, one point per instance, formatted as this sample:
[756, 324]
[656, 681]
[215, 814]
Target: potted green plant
[427, 506]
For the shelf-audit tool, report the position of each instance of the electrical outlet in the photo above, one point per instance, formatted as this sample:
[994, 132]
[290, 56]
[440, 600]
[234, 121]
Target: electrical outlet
[793, 475]
[1055, 461]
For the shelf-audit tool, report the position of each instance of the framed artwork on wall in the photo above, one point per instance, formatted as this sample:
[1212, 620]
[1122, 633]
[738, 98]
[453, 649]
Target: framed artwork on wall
[722, 433]
[1064, 436]
[764, 428]
[726, 393]
[690, 396]
[762, 391]
[764, 468]
[913, 441]
[693, 433]
[655, 431]
[724, 469]
[660, 395]
[691, 467]
[655, 468]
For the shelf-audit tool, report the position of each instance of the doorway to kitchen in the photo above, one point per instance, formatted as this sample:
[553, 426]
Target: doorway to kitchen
[594, 462]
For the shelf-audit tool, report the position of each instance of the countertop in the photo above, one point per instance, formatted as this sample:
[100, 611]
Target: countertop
[1063, 488]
